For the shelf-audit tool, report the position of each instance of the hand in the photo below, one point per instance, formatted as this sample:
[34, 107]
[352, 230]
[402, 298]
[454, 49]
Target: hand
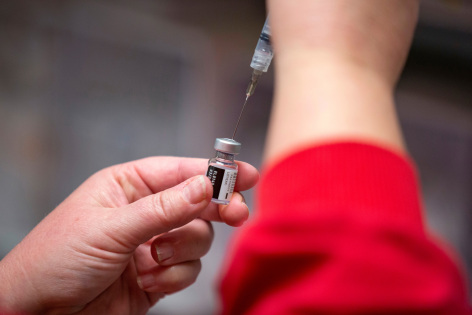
[337, 64]
[98, 247]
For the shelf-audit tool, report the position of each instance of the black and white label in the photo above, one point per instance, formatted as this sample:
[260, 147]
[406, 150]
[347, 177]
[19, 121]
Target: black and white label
[223, 181]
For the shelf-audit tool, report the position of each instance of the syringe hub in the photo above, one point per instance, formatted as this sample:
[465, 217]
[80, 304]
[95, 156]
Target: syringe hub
[256, 74]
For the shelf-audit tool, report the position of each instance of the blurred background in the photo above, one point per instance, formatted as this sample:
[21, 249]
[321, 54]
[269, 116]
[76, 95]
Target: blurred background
[87, 84]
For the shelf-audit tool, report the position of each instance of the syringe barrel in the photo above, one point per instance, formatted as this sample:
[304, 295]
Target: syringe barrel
[263, 54]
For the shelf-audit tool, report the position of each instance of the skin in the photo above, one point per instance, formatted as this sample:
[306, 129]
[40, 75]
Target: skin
[338, 62]
[336, 67]
[96, 252]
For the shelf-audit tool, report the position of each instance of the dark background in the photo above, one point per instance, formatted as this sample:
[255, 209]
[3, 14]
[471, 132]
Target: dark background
[87, 84]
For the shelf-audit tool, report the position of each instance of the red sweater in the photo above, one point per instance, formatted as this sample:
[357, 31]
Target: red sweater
[339, 230]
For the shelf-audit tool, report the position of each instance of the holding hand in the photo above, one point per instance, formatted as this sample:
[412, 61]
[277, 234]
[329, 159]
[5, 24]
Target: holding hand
[126, 237]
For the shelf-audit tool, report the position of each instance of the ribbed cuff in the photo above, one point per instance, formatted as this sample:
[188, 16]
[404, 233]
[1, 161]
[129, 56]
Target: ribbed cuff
[359, 178]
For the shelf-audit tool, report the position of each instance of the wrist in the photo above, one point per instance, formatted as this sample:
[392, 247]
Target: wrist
[15, 294]
[7, 292]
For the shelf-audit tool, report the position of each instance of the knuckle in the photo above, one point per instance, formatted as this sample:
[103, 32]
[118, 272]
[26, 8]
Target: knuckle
[162, 210]
[199, 239]
[190, 242]
[205, 232]
[190, 273]
[179, 277]
[200, 233]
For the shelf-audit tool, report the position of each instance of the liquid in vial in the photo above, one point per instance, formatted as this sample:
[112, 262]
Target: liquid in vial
[223, 170]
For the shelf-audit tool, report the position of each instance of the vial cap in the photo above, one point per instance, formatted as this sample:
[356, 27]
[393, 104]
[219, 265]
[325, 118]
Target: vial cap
[227, 145]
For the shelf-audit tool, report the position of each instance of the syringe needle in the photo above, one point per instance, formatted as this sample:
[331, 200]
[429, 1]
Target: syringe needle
[256, 74]
[260, 63]
[240, 115]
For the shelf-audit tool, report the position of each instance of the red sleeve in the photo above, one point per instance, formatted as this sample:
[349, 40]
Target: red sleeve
[338, 230]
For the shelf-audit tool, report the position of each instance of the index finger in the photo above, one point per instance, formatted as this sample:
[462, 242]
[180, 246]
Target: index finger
[160, 173]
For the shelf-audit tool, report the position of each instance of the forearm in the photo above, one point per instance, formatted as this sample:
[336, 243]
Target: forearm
[328, 98]
[337, 63]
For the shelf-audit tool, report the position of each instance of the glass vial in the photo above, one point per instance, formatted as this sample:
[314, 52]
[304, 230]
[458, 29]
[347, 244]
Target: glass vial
[222, 170]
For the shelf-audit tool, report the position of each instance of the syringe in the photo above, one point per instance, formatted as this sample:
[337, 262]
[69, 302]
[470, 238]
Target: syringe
[260, 63]
[261, 59]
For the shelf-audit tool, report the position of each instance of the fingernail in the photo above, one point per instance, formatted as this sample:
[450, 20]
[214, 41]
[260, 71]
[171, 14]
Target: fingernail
[164, 251]
[195, 191]
[145, 281]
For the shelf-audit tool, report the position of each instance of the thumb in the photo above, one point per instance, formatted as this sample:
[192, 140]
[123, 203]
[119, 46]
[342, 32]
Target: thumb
[138, 222]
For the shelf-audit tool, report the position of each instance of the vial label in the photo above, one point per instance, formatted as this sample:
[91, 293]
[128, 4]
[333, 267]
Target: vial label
[223, 181]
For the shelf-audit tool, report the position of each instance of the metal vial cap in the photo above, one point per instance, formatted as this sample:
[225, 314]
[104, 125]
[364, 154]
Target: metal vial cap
[227, 145]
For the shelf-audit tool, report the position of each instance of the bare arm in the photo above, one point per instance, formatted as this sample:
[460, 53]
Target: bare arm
[339, 227]
[336, 67]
